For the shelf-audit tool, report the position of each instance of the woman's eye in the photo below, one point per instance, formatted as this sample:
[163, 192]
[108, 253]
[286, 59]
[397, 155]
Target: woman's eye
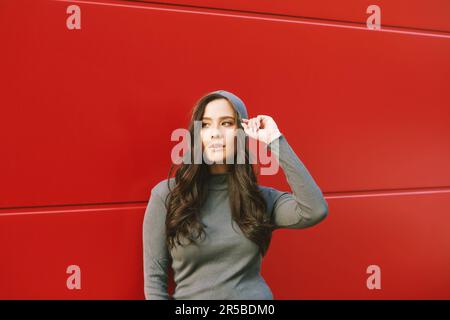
[226, 123]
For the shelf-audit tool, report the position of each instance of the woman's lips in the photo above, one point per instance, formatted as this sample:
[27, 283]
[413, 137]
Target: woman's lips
[216, 146]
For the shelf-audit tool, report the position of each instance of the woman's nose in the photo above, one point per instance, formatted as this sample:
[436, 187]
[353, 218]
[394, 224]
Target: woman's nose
[215, 132]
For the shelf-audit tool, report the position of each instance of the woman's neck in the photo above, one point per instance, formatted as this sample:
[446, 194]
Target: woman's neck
[219, 168]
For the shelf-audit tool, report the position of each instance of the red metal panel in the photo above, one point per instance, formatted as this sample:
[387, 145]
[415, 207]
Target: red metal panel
[406, 235]
[38, 246]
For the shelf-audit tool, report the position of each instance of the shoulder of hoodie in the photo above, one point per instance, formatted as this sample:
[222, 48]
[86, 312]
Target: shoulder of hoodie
[161, 189]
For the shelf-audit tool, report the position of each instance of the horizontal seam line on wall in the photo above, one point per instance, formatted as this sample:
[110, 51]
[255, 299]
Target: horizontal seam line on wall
[281, 15]
[275, 17]
[135, 205]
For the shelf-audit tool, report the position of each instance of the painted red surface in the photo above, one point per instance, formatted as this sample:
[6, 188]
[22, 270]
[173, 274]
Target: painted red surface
[86, 118]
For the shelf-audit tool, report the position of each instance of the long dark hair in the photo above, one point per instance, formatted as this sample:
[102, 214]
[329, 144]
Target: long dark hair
[190, 191]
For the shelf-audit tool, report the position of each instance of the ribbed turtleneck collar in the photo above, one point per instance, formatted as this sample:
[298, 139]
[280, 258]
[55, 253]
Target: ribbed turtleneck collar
[218, 181]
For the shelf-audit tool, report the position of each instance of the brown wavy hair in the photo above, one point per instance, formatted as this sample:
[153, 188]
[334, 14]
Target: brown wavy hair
[185, 200]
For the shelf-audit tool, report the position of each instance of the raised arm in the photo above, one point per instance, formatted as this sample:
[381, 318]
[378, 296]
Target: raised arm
[156, 255]
[305, 206]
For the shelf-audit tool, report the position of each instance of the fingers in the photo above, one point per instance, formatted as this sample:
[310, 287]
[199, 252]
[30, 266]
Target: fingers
[261, 117]
[254, 124]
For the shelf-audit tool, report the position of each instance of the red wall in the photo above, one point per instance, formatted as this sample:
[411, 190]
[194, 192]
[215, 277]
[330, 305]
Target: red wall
[86, 118]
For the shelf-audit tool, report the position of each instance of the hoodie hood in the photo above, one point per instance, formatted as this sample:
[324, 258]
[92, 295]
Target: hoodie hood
[237, 103]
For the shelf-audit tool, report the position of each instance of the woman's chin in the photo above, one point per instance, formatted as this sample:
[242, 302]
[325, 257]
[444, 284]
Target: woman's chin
[216, 159]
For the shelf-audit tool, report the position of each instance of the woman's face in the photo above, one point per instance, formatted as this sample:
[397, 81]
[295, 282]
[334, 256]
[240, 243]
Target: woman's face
[219, 127]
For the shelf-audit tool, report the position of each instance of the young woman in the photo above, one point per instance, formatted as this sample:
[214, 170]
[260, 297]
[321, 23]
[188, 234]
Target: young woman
[212, 222]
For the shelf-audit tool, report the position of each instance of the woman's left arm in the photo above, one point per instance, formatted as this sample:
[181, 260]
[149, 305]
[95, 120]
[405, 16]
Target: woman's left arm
[305, 206]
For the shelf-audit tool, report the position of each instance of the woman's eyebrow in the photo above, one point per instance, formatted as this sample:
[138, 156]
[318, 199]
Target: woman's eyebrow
[220, 118]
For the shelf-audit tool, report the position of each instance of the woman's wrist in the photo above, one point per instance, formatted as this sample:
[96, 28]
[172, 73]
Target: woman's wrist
[277, 134]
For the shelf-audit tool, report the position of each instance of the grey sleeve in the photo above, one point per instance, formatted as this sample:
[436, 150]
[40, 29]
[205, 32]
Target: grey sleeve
[156, 255]
[305, 206]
